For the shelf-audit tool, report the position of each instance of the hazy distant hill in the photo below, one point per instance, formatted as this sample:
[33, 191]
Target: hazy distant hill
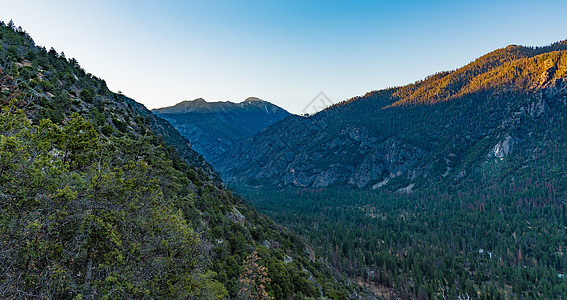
[483, 122]
[214, 127]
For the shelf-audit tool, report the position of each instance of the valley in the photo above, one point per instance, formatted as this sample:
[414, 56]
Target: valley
[452, 187]
[101, 199]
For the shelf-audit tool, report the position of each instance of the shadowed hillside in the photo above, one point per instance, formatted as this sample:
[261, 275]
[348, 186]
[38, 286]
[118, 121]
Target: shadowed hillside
[214, 127]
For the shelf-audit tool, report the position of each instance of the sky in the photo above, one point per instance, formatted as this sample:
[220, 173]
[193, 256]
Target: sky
[286, 52]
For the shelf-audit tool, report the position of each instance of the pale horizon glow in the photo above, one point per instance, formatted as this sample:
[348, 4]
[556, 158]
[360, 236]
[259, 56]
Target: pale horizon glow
[286, 52]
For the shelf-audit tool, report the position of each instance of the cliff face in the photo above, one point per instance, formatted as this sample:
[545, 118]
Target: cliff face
[214, 127]
[484, 121]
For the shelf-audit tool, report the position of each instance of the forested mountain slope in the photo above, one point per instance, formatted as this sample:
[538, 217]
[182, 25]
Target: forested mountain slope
[485, 122]
[101, 199]
[214, 127]
[453, 187]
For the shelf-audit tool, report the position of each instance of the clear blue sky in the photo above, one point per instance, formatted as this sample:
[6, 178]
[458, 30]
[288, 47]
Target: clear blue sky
[286, 52]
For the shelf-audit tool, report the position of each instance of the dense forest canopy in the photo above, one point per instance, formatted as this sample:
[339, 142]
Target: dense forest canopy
[489, 245]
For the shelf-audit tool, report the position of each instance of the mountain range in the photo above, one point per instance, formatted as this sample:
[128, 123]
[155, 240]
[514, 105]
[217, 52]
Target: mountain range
[485, 121]
[214, 127]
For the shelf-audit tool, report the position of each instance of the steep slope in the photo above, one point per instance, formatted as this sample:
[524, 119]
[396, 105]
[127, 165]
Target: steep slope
[449, 85]
[214, 127]
[441, 130]
[450, 188]
[101, 199]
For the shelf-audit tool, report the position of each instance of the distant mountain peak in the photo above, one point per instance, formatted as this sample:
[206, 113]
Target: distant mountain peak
[214, 127]
[200, 105]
